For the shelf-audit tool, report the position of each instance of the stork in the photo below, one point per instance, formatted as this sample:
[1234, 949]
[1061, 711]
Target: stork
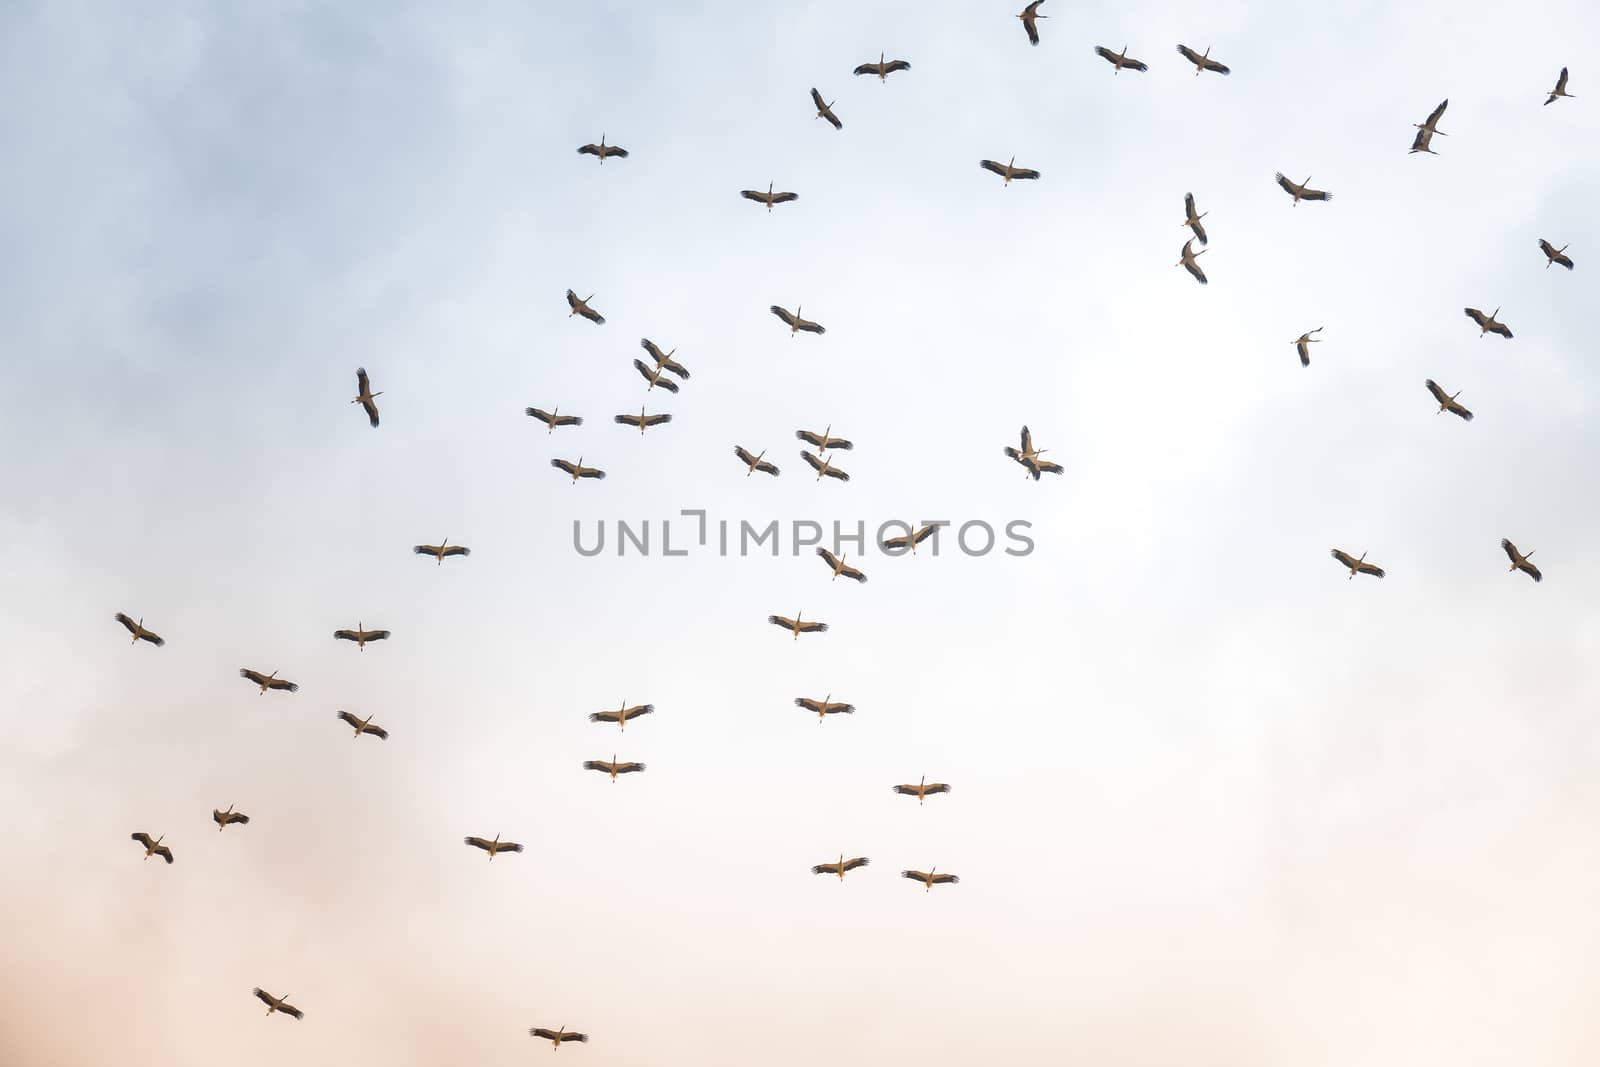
[577, 470]
[360, 636]
[754, 462]
[1448, 403]
[769, 197]
[612, 767]
[1553, 254]
[823, 441]
[1302, 341]
[1560, 89]
[922, 789]
[824, 707]
[441, 550]
[552, 420]
[602, 150]
[1186, 260]
[930, 879]
[797, 626]
[841, 867]
[910, 540]
[882, 69]
[622, 714]
[1029, 17]
[364, 395]
[824, 467]
[1028, 456]
[1519, 562]
[825, 111]
[278, 1004]
[268, 681]
[838, 565]
[1202, 62]
[138, 631]
[653, 375]
[1007, 171]
[493, 847]
[665, 362]
[1425, 131]
[1488, 323]
[795, 322]
[1192, 220]
[1357, 566]
[558, 1035]
[641, 420]
[1119, 59]
[581, 307]
[364, 726]
[1301, 191]
[153, 847]
[224, 819]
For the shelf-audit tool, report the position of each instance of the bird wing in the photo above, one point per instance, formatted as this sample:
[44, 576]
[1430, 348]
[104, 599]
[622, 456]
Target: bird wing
[262, 995]
[1316, 194]
[596, 765]
[613, 150]
[239, 817]
[1434, 117]
[377, 635]
[1199, 231]
[813, 627]
[946, 879]
[1420, 141]
[362, 384]
[672, 365]
[767, 468]
[572, 300]
[809, 437]
[371, 408]
[565, 465]
[593, 316]
[1135, 64]
[906, 790]
[894, 65]
[477, 842]
[867, 68]
[812, 327]
[922, 535]
[291, 1011]
[1502, 329]
[376, 731]
[605, 716]
[1344, 558]
[832, 119]
[1047, 467]
[665, 383]
[1194, 268]
[349, 718]
[650, 347]
[539, 1031]
[1509, 549]
[1476, 316]
[657, 420]
[1188, 53]
[783, 314]
[784, 198]
[809, 457]
[1527, 568]
[1466, 415]
[281, 683]
[1544, 246]
[589, 150]
[743, 454]
[808, 703]
[991, 166]
[458, 550]
[510, 846]
[751, 194]
[142, 838]
[1027, 440]
[629, 768]
[133, 628]
[540, 414]
[572, 1036]
[826, 868]
[255, 676]
[1561, 82]
[851, 572]
[1438, 394]
[936, 787]
[1288, 186]
[835, 472]
[627, 420]
[1024, 175]
[1031, 28]
[216, 817]
[1370, 568]
[779, 620]
[1105, 53]
[833, 561]
[816, 98]
[345, 635]
[859, 861]
[425, 550]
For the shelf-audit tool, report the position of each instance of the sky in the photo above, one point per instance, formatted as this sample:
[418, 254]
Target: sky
[1211, 800]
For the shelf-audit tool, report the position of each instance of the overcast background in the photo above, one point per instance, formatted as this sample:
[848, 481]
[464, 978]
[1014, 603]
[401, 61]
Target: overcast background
[1213, 803]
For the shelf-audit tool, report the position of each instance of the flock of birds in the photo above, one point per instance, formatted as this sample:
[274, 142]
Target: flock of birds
[664, 371]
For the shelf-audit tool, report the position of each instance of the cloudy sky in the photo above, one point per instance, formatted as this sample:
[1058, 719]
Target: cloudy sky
[1212, 801]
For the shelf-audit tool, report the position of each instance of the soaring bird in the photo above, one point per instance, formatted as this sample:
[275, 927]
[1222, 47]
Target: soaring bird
[623, 714]
[224, 819]
[654, 375]
[1554, 255]
[824, 707]
[1202, 62]
[552, 420]
[882, 69]
[1186, 260]
[930, 879]
[278, 1004]
[1301, 191]
[441, 550]
[910, 540]
[1119, 59]
[558, 1035]
[841, 867]
[364, 395]
[795, 322]
[1448, 403]
[138, 631]
[825, 111]
[581, 307]
[1560, 89]
[602, 150]
[797, 626]
[612, 767]
[838, 565]
[1425, 131]
[922, 789]
[153, 846]
[822, 441]
[268, 681]
[1519, 562]
[1302, 341]
[1028, 456]
[1029, 17]
[824, 467]
[364, 726]
[1192, 220]
[360, 636]
[664, 362]
[577, 470]
[1488, 323]
[641, 420]
[754, 462]
[1007, 171]
[493, 847]
[769, 197]
[1358, 566]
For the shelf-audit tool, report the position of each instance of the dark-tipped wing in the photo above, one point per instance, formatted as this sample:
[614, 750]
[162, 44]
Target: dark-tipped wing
[1433, 118]
[351, 719]
[835, 472]
[133, 627]
[1315, 194]
[1438, 394]
[808, 704]
[1288, 186]
[1189, 53]
[143, 839]
[779, 620]
[894, 65]
[564, 465]
[906, 790]
[1024, 175]
[650, 347]
[1211, 64]
[291, 1011]
[784, 198]
[629, 768]
[284, 684]
[478, 842]
[1047, 467]
[946, 879]
[993, 167]
[936, 787]
[813, 627]
[542, 1032]
[827, 868]
[851, 572]
[346, 635]
[458, 550]
[1476, 316]
[261, 995]
[589, 150]
[859, 861]
[1344, 558]
[922, 535]
[833, 561]
[657, 420]
[1134, 64]
[255, 676]
[783, 314]
[1027, 440]
[919, 876]
[811, 458]
[751, 194]
[1105, 53]
[1031, 27]
[376, 731]
[1194, 269]
[627, 420]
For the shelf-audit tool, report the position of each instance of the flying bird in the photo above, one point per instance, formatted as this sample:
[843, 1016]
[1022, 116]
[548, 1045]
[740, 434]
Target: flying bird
[1202, 62]
[441, 550]
[1560, 89]
[623, 714]
[581, 307]
[824, 467]
[1192, 220]
[1425, 131]
[558, 1035]
[922, 789]
[769, 197]
[798, 627]
[1302, 341]
[153, 847]
[882, 69]
[552, 420]
[841, 867]
[360, 636]
[825, 111]
[1007, 171]
[1301, 191]
[795, 322]
[755, 462]
[1358, 566]
[1119, 59]
[1028, 456]
[823, 441]
[364, 726]
[910, 540]
[1519, 562]
[930, 879]
[138, 631]
[278, 1004]
[838, 565]
[824, 707]
[224, 819]
[577, 470]
[493, 847]
[665, 362]
[612, 767]
[1029, 17]
[641, 420]
[1448, 403]
[1554, 255]
[602, 150]
[1186, 260]
[364, 395]
[1488, 323]
[268, 681]
[653, 375]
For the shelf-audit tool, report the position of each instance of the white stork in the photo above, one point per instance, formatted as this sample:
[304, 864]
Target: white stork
[641, 420]
[653, 375]
[558, 1035]
[797, 626]
[603, 150]
[1425, 131]
[824, 707]
[268, 681]
[623, 714]
[910, 540]
[883, 69]
[838, 565]
[795, 322]
[665, 362]
[769, 197]
[1519, 562]
[1009, 172]
[224, 819]
[825, 111]
[577, 470]
[824, 467]
[754, 462]
[493, 847]
[364, 395]
[1357, 566]
[1119, 60]
[930, 879]
[1202, 61]
[360, 636]
[364, 726]
[1300, 191]
[1302, 341]
[823, 441]
[1488, 323]
[138, 631]
[1029, 16]
[612, 767]
[1028, 456]
[1552, 254]
[552, 420]
[1448, 402]
[153, 846]
[922, 789]
[1186, 260]
[441, 550]
[1560, 89]
[1192, 220]
[278, 1004]
[841, 867]
[581, 307]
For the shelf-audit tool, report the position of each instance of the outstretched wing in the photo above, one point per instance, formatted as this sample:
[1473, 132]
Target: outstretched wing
[351, 719]
[261, 995]
[779, 620]
[993, 167]
[564, 465]
[1024, 175]
[751, 194]
[833, 561]
[894, 65]
[1188, 53]
[1438, 394]
[589, 150]
[813, 627]
[784, 198]
[783, 314]
[1134, 64]
[477, 842]
[291, 1011]
[1105, 53]
[1433, 118]
[1344, 558]
[650, 347]
[859, 861]
[255, 676]
[1288, 186]
[143, 839]
[811, 458]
